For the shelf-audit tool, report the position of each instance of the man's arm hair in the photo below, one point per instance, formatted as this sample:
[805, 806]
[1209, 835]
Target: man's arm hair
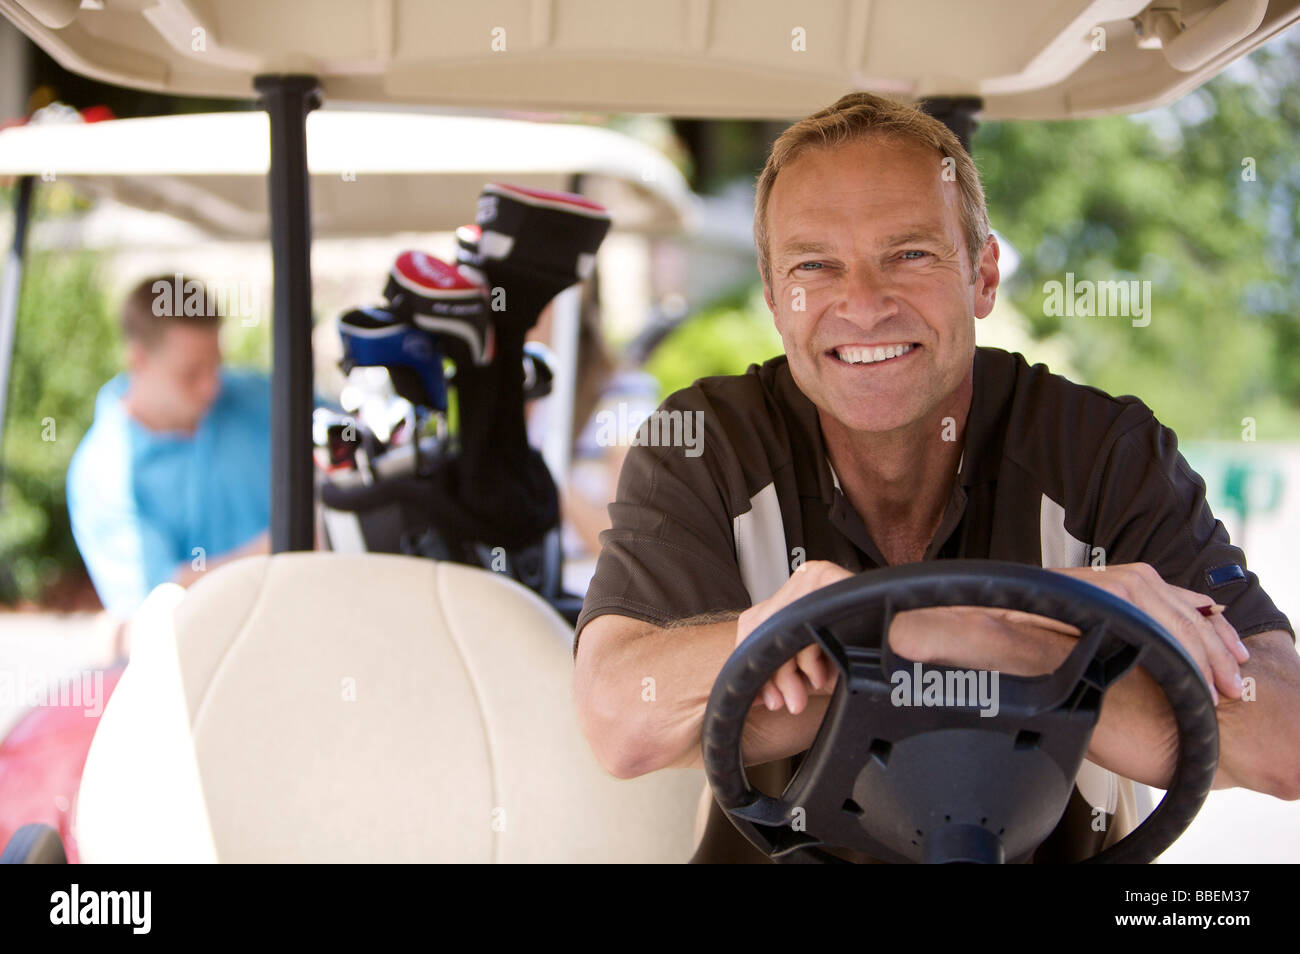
[703, 619]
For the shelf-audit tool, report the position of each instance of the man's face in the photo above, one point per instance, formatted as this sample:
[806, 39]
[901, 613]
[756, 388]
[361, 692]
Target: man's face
[867, 251]
[180, 376]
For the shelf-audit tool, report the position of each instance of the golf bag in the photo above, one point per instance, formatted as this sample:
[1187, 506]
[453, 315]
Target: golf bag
[481, 495]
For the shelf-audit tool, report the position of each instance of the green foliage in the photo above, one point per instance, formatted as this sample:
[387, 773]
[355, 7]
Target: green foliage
[725, 338]
[1168, 198]
[65, 348]
[246, 346]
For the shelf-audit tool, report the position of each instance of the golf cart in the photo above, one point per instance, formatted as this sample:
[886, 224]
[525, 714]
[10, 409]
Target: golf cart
[225, 769]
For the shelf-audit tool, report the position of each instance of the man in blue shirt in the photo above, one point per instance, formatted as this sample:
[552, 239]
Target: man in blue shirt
[173, 477]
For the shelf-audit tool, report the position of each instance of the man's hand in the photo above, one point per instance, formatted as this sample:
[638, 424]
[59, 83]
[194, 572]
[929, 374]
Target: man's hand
[1211, 641]
[810, 672]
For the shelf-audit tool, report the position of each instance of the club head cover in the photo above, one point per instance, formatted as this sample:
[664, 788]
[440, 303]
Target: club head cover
[445, 301]
[378, 337]
[533, 244]
[468, 259]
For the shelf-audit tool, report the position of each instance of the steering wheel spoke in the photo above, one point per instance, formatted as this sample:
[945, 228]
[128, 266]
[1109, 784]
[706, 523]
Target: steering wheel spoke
[831, 646]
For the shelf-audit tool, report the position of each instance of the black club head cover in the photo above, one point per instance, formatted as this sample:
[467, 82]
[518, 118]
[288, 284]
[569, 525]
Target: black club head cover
[441, 299]
[533, 244]
[467, 256]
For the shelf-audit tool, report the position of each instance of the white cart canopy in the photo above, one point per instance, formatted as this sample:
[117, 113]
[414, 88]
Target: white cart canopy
[1043, 59]
[372, 173]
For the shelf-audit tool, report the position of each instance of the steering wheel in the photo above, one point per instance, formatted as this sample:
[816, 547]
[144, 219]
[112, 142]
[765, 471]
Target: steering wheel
[953, 782]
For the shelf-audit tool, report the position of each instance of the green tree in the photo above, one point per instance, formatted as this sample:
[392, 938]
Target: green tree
[725, 338]
[66, 346]
[1201, 199]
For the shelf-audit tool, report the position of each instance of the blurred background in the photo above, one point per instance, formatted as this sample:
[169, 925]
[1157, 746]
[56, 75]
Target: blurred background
[1161, 195]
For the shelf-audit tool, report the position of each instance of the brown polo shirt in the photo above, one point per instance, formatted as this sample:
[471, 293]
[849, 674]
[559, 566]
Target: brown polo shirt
[1050, 471]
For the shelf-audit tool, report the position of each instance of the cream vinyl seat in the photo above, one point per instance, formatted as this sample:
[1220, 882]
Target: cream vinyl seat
[319, 707]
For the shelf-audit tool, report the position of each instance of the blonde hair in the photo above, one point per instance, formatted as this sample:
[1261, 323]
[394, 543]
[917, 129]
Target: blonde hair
[853, 118]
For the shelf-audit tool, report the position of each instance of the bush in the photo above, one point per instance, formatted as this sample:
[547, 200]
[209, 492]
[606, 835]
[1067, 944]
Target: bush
[724, 338]
[65, 348]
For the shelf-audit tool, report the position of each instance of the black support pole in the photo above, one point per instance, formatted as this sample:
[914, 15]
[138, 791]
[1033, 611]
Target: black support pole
[287, 101]
[957, 113]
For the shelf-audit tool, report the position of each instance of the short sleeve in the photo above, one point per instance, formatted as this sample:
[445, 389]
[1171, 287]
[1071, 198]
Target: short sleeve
[1152, 509]
[670, 552]
[125, 554]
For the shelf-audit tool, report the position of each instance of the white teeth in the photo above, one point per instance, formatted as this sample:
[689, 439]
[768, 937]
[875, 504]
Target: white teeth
[872, 355]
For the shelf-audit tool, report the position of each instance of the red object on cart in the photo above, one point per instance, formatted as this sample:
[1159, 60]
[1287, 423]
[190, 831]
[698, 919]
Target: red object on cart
[41, 761]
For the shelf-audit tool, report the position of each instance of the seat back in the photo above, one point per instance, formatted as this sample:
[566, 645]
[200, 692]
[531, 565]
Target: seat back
[312, 707]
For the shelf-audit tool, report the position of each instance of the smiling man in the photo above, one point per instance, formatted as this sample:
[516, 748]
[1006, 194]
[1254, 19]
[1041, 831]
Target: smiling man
[884, 436]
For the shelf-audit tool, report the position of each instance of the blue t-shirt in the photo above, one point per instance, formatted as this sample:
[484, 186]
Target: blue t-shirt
[143, 502]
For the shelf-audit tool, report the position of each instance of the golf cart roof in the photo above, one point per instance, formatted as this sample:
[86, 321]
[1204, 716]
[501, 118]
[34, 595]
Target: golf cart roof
[371, 172]
[1034, 59]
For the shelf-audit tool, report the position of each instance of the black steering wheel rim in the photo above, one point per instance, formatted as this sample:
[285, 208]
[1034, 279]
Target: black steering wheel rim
[1115, 637]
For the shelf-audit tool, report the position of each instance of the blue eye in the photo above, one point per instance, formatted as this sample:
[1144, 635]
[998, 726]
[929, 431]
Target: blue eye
[914, 251]
[814, 264]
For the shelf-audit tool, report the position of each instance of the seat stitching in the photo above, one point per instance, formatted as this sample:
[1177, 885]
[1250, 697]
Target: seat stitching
[223, 662]
[201, 710]
[440, 575]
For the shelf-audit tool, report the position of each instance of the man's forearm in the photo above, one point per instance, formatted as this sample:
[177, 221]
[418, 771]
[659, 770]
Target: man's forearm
[641, 698]
[1259, 734]
[1136, 735]
[768, 735]
[658, 685]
